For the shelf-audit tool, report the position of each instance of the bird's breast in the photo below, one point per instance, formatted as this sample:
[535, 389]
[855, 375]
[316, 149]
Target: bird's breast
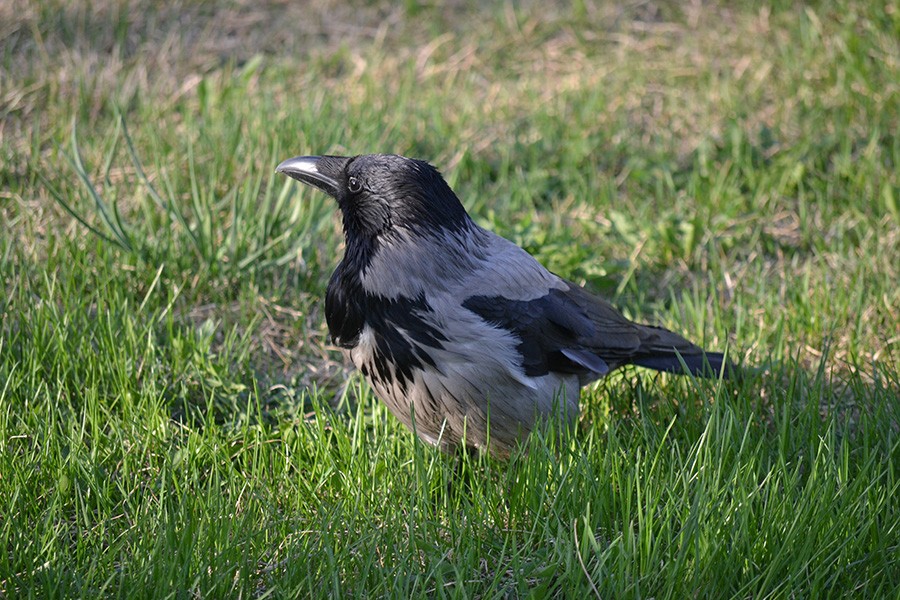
[463, 389]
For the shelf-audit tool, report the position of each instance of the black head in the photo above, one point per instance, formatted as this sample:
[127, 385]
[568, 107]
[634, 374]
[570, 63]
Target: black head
[381, 194]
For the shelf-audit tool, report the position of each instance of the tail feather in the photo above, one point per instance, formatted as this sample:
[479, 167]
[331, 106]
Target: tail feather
[709, 364]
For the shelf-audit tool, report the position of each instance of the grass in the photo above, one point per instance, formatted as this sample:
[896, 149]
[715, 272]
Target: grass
[173, 421]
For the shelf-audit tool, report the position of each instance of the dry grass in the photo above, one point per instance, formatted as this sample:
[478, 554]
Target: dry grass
[675, 74]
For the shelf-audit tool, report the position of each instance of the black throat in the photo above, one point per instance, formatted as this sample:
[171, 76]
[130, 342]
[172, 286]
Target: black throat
[345, 299]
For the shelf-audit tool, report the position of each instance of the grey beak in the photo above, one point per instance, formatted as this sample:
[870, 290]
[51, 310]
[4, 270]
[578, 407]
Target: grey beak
[307, 169]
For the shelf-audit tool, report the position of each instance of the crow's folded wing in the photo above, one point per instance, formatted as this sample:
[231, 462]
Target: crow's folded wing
[559, 332]
[569, 330]
[562, 328]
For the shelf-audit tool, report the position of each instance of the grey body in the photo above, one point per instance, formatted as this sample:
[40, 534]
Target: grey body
[478, 378]
[465, 336]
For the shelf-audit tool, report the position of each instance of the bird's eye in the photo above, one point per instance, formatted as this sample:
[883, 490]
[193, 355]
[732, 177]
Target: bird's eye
[354, 185]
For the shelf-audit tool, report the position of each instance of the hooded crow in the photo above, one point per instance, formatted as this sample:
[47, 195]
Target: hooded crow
[464, 335]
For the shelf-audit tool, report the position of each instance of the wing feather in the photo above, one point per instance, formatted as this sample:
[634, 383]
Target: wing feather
[563, 328]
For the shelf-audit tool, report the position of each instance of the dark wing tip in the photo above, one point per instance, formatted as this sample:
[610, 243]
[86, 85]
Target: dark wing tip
[708, 364]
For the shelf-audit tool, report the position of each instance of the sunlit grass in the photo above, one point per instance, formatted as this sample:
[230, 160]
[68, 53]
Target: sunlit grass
[174, 422]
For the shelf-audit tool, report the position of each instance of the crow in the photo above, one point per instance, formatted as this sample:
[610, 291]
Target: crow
[467, 339]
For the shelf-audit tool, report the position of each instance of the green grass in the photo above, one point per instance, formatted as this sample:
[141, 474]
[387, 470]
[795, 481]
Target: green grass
[174, 423]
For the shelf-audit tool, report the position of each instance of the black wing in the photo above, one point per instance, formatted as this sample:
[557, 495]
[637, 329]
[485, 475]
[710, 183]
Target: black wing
[572, 331]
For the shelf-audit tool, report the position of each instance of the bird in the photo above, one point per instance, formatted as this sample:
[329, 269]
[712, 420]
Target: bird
[469, 341]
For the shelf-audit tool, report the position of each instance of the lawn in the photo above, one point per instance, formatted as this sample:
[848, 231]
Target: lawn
[174, 421]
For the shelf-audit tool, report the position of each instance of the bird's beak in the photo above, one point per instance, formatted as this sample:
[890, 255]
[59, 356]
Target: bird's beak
[317, 171]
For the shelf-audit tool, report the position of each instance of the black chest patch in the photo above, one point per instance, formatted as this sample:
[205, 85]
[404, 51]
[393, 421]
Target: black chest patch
[402, 331]
[401, 328]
